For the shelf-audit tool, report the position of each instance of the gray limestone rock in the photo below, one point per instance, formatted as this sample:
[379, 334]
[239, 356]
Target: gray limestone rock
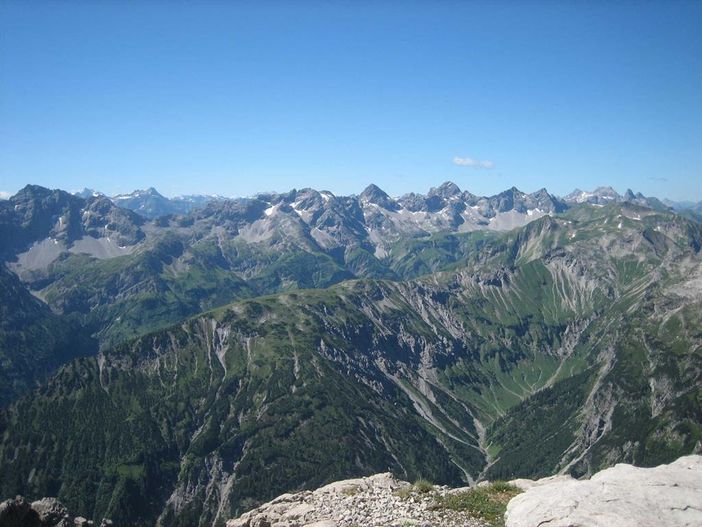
[625, 496]
[374, 501]
[50, 510]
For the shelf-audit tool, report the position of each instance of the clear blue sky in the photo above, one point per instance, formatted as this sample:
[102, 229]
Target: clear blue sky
[236, 97]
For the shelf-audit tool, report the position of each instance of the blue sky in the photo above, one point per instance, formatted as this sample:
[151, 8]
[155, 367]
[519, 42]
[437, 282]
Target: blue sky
[236, 98]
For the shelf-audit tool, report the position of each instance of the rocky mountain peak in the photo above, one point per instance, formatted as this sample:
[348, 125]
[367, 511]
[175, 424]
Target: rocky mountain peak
[544, 201]
[445, 190]
[33, 192]
[374, 194]
[508, 200]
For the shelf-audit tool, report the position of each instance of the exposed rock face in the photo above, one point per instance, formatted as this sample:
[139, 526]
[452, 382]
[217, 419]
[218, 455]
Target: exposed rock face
[371, 501]
[16, 512]
[46, 512]
[36, 214]
[625, 496]
[49, 510]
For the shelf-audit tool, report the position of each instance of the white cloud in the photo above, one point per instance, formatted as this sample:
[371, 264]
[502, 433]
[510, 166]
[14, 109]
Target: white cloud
[473, 163]
[4, 195]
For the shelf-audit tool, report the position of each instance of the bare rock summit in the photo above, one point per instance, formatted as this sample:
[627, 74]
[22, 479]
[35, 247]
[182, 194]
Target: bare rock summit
[374, 501]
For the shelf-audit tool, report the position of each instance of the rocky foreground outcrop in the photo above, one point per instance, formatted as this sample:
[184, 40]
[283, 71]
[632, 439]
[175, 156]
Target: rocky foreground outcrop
[621, 496]
[46, 512]
[379, 500]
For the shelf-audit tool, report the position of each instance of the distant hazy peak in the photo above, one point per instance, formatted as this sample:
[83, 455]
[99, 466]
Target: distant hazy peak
[88, 193]
[600, 195]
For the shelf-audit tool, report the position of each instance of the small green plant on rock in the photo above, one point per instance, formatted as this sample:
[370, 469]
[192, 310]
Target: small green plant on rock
[423, 486]
[403, 492]
[351, 490]
[497, 487]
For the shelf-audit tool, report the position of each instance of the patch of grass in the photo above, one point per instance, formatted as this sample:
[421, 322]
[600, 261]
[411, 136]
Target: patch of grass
[423, 486]
[497, 487]
[487, 503]
[131, 471]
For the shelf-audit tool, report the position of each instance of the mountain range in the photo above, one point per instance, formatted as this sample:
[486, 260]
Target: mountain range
[213, 358]
[151, 204]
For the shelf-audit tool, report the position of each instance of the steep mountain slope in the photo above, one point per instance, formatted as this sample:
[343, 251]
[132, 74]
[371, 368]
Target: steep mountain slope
[641, 400]
[33, 341]
[215, 402]
[587, 324]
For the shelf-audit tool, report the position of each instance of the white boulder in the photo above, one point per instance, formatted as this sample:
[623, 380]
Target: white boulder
[621, 496]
